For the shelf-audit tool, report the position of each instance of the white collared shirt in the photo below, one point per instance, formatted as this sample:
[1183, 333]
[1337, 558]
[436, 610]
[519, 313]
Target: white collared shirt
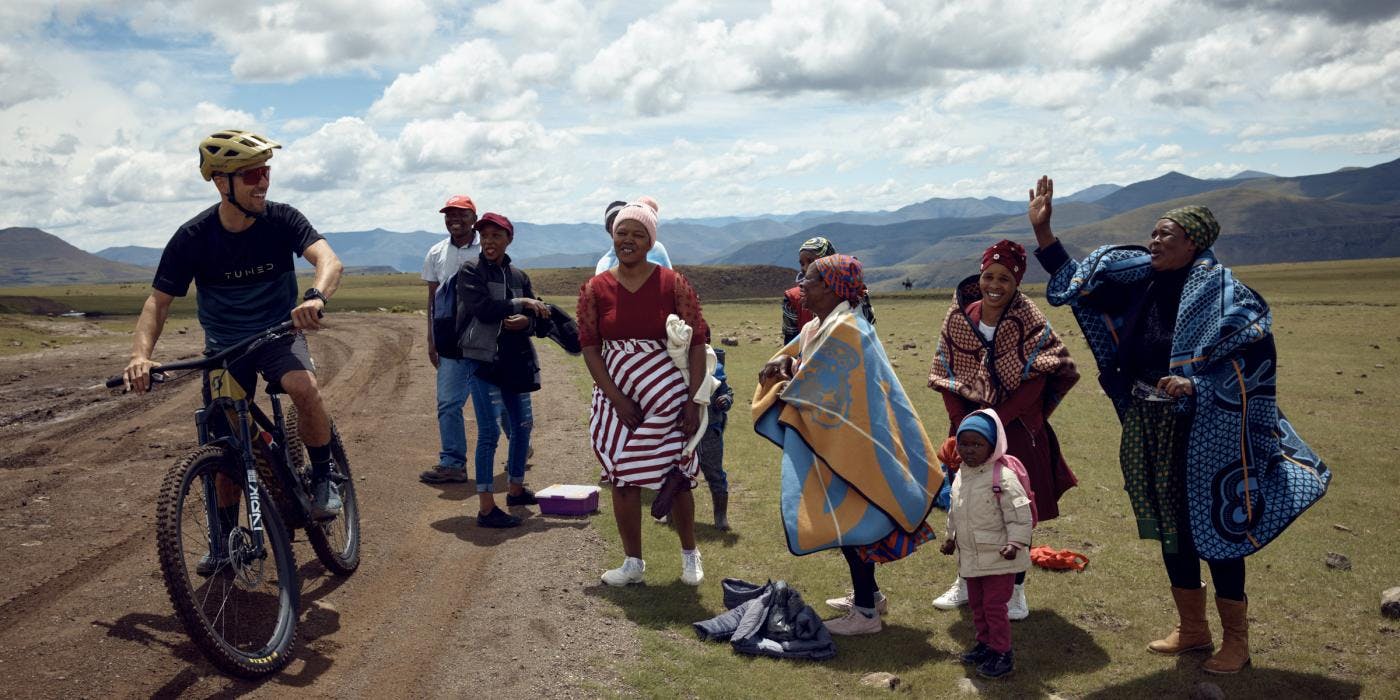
[444, 259]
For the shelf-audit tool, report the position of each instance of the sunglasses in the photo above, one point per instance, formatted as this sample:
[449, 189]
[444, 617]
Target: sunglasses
[253, 176]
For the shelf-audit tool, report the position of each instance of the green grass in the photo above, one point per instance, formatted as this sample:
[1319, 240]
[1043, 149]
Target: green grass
[1315, 632]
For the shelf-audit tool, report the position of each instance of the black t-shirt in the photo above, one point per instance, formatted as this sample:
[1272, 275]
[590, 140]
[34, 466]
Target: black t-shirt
[244, 282]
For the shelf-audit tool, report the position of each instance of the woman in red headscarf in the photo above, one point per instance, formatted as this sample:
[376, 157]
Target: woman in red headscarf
[997, 350]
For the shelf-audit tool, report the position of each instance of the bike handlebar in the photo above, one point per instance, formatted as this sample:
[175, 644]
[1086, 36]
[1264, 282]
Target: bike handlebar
[158, 372]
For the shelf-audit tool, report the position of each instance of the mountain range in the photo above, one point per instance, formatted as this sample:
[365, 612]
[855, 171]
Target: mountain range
[1353, 212]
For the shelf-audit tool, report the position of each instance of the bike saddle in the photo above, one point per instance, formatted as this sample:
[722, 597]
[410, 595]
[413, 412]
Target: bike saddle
[274, 388]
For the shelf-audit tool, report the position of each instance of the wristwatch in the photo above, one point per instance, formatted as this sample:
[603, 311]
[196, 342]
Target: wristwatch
[314, 293]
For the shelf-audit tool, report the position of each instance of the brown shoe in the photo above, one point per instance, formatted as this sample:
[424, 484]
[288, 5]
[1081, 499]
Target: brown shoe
[1234, 650]
[1192, 631]
[443, 475]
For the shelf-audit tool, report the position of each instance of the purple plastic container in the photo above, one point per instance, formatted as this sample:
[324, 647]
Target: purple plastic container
[568, 499]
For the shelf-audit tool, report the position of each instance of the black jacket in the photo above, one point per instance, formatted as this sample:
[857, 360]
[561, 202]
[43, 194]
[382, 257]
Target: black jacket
[489, 292]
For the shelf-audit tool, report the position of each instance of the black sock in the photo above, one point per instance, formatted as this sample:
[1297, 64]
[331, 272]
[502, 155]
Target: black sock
[320, 461]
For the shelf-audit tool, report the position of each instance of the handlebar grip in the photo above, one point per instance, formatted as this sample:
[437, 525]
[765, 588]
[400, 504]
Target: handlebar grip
[116, 381]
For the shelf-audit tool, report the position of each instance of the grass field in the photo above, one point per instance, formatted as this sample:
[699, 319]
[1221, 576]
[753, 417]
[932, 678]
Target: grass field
[1315, 632]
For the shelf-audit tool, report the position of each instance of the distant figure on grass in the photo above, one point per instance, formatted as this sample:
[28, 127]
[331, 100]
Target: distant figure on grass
[239, 255]
[858, 471]
[497, 308]
[795, 314]
[989, 528]
[657, 255]
[454, 374]
[1186, 354]
[997, 350]
[711, 449]
[643, 410]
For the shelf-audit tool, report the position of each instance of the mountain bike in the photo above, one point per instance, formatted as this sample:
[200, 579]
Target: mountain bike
[226, 512]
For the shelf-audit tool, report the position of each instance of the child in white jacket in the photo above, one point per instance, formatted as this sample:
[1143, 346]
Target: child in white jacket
[991, 534]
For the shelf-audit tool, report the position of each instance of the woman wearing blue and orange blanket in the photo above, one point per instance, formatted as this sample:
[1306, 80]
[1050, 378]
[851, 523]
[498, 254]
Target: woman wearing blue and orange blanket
[858, 471]
[997, 350]
[1186, 354]
[644, 409]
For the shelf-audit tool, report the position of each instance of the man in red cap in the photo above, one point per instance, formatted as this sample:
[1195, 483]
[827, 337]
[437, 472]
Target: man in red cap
[454, 374]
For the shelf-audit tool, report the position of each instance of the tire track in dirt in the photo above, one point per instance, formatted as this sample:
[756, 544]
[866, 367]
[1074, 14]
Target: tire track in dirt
[438, 607]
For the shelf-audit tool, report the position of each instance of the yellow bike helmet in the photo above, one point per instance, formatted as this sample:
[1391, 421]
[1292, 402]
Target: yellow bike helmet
[230, 150]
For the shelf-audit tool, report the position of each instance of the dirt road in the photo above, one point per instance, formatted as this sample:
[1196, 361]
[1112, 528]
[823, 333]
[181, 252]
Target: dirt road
[439, 607]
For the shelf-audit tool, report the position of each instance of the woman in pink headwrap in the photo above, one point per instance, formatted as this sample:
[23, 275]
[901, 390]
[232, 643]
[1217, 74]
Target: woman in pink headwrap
[644, 408]
[997, 350]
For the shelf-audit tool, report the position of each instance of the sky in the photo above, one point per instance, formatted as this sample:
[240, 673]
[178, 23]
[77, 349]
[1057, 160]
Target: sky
[546, 110]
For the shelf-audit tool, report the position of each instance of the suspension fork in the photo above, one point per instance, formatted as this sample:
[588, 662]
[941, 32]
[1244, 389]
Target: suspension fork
[250, 479]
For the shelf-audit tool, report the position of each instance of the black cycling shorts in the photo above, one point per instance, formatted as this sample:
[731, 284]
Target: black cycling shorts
[272, 361]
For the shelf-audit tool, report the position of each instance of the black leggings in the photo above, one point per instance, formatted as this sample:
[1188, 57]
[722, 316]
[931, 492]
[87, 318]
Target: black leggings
[862, 578]
[1184, 569]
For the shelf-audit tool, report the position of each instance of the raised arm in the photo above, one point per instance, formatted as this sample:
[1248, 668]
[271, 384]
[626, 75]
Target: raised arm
[1039, 211]
[328, 268]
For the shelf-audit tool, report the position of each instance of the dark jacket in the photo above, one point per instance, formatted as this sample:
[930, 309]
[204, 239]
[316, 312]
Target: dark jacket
[488, 293]
[768, 620]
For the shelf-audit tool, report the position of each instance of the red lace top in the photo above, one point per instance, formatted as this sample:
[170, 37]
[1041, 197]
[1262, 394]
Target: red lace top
[607, 311]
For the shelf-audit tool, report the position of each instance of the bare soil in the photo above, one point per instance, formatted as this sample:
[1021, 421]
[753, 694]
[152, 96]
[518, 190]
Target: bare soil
[439, 607]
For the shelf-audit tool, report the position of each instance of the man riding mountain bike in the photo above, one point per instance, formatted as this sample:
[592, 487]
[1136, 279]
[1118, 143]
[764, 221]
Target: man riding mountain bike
[240, 253]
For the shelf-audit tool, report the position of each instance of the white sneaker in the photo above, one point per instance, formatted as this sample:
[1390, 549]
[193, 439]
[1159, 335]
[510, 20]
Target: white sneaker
[847, 602]
[953, 598]
[692, 573]
[1016, 608]
[630, 572]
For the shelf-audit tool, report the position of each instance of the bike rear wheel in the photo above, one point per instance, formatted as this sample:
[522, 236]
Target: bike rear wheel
[337, 541]
[243, 613]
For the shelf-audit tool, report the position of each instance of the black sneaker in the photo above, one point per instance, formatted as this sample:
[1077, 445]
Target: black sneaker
[996, 665]
[444, 475]
[498, 519]
[977, 654]
[526, 498]
[210, 564]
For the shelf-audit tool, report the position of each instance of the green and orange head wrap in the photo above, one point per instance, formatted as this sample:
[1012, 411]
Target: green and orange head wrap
[819, 246]
[843, 275]
[1200, 225]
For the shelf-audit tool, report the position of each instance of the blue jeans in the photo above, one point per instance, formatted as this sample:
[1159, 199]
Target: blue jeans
[500, 407]
[455, 381]
[488, 435]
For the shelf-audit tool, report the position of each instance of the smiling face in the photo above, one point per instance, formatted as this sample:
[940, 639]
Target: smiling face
[1169, 246]
[631, 242]
[459, 224]
[973, 448]
[249, 186]
[998, 287]
[494, 241]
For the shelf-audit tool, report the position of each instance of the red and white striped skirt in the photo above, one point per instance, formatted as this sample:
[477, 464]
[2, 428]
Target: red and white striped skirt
[644, 373]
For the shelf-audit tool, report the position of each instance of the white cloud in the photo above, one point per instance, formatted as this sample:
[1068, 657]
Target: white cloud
[344, 154]
[286, 41]
[1166, 151]
[22, 79]
[463, 143]
[806, 161]
[469, 78]
[122, 175]
[1375, 142]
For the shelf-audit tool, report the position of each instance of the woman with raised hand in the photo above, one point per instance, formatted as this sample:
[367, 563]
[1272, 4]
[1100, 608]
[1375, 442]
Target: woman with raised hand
[997, 350]
[1185, 352]
[858, 471]
[644, 409]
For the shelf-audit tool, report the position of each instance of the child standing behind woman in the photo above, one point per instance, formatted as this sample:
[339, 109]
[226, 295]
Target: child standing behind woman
[989, 526]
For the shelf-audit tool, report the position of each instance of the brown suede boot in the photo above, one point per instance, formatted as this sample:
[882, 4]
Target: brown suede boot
[1234, 651]
[1192, 632]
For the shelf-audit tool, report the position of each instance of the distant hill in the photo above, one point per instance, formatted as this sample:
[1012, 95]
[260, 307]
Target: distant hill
[1091, 194]
[1250, 175]
[1173, 185]
[141, 256]
[30, 256]
[889, 244]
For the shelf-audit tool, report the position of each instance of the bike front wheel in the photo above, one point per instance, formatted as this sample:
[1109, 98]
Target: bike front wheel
[236, 599]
